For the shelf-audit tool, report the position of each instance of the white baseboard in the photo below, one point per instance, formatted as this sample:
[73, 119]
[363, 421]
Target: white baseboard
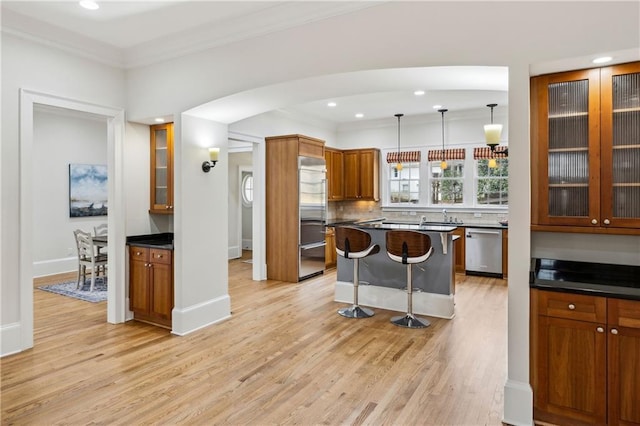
[55, 266]
[247, 244]
[10, 339]
[195, 317]
[431, 304]
[518, 403]
[234, 252]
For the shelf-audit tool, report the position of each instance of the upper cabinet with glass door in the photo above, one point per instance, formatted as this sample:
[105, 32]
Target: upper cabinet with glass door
[585, 151]
[161, 169]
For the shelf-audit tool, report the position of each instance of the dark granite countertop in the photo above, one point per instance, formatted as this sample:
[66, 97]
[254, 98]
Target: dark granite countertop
[162, 241]
[400, 224]
[595, 279]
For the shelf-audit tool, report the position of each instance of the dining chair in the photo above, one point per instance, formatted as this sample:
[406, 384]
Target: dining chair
[89, 257]
[101, 230]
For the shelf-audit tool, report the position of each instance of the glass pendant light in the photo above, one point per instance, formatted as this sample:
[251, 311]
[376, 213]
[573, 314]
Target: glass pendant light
[443, 163]
[492, 131]
[399, 165]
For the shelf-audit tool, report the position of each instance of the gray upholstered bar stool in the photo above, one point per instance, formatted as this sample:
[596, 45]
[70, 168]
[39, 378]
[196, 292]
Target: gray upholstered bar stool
[409, 247]
[352, 243]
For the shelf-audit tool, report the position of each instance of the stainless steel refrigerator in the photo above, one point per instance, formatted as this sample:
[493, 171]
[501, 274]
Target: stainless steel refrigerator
[312, 196]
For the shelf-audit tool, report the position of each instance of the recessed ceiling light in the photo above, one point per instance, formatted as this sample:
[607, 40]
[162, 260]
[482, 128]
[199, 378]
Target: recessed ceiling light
[89, 4]
[437, 106]
[331, 104]
[419, 92]
[359, 115]
[159, 120]
[602, 59]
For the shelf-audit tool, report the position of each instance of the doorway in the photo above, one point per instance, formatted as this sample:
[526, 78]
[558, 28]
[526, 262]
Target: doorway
[245, 221]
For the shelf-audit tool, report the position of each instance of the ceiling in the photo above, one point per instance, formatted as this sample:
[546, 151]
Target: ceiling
[130, 34]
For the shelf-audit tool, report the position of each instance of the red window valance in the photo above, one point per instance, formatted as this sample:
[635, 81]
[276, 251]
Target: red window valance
[403, 157]
[449, 154]
[484, 153]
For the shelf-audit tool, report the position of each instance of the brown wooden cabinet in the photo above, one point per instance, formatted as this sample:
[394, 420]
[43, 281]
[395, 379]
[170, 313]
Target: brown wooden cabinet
[282, 202]
[161, 169]
[335, 174]
[151, 284]
[330, 255]
[362, 174]
[585, 142]
[577, 360]
[459, 260]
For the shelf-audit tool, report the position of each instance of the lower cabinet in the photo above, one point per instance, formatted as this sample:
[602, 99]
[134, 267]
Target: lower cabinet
[459, 260]
[585, 359]
[151, 284]
[330, 255]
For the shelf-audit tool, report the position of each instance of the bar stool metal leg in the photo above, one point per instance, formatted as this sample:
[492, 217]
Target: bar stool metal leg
[355, 311]
[409, 320]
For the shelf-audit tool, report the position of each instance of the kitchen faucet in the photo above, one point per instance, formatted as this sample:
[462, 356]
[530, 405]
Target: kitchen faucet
[444, 215]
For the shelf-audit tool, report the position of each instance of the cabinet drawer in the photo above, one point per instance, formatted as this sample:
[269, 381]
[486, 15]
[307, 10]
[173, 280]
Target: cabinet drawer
[139, 253]
[623, 313]
[160, 256]
[572, 306]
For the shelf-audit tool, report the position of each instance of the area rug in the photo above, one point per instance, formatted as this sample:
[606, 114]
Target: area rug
[99, 293]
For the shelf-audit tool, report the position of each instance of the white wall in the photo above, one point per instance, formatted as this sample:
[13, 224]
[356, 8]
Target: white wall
[137, 180]
[236, 160]
[201, 269]
[37, 67]
[461, 128]
[61, 138]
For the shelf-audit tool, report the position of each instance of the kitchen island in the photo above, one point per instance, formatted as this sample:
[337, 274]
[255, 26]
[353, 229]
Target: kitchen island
[383, 281]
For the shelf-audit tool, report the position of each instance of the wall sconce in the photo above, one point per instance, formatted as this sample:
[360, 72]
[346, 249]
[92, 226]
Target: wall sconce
[213, 159]
[492, 131]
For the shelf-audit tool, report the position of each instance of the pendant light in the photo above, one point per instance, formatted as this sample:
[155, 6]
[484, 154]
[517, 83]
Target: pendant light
[492, 163]
[492, 131]
[399, 165]
[443, 163]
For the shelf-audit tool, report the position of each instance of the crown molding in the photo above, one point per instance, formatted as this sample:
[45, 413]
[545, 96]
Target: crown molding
[33, 30]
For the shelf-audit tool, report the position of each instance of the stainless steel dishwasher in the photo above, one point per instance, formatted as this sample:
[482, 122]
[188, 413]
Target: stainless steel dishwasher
[483, 252]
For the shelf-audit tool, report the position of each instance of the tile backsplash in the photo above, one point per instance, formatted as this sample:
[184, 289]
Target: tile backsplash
[372, 209]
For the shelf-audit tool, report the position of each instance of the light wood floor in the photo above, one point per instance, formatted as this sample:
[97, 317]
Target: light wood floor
[285, 357]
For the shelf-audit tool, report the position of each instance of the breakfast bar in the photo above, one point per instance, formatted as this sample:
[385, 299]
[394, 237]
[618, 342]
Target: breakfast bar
[383, 281]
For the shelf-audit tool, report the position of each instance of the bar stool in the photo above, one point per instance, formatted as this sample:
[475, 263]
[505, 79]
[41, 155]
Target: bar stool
[352, 243]
[409, 247]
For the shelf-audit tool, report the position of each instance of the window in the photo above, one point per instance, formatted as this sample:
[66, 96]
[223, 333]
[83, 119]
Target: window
[404, 184]
[247, 190]
[447, 186]
[492, 184]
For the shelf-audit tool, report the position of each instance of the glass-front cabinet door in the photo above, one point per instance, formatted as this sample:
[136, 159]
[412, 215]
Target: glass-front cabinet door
[566, 149]
[620, 145]
[161, 169]
[585, 150]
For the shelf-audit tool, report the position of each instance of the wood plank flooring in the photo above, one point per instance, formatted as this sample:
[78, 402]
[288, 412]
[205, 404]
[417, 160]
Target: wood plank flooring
[285, 357]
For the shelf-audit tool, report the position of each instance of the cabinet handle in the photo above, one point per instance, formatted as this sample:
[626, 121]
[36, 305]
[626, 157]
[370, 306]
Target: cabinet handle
[167, 207]
[607, 222]
[158, 256]
[594, 221]
[614, 331]
[572, 306]
[600, 330]
[138, 253]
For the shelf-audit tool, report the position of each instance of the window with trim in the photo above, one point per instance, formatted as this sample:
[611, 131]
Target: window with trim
[404, 177]
[247, 190]
[446, 172]
[492, 176]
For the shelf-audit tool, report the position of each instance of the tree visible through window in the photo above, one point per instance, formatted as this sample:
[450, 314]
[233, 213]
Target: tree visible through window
[492, 184]
[404, 184]
[447, 185]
